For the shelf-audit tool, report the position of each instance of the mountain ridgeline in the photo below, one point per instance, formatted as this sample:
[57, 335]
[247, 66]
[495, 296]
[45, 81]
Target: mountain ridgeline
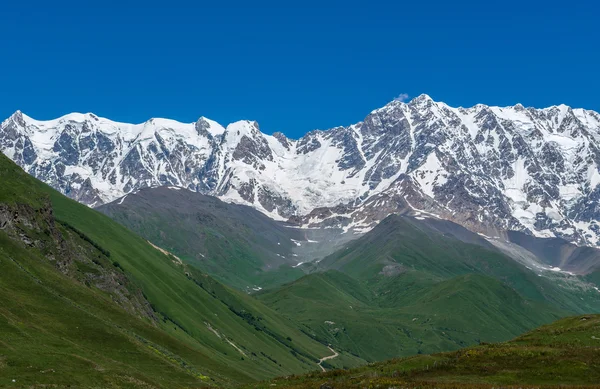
[490, 169]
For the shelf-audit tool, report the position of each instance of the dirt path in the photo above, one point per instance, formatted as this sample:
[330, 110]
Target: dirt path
[335, 355]
[165, 252]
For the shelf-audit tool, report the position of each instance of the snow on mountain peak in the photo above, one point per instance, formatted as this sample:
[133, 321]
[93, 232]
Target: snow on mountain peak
[422, 98]
[498, 168]
[212, 127]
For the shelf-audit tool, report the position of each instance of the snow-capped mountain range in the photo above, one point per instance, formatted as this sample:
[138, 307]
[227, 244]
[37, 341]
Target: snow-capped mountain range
[490, 169]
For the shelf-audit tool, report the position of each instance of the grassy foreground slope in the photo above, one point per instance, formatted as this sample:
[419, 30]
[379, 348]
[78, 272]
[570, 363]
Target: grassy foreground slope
[86, 302]
[55, 331]
[563, 354]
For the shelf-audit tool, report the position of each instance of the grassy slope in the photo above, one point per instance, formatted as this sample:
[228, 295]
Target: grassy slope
[233, 243]
[565, 353]
[59, 332]
[444, 316]
[440, 294]
[187, 303]
[179, 297]
[406, 242]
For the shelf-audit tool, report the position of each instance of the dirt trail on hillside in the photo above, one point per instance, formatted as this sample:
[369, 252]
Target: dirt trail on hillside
[335, 355]
[165, 252]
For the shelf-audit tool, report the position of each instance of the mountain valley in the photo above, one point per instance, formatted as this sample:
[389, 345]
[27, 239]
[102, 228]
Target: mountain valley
[203, 255]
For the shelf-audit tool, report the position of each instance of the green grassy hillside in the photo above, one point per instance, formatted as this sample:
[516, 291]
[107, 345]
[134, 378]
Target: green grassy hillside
[443, 316]
[410, 287]
[236, 244]
[85, 301]
[563, 354]
[401, 244]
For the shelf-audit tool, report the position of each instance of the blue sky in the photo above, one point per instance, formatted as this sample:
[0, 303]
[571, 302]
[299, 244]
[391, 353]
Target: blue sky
[292, 66]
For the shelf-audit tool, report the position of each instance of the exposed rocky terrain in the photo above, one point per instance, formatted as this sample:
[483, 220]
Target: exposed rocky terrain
[489, 169]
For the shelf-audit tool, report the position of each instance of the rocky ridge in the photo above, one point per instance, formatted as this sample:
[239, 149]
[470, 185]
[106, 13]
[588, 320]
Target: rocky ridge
[490, 169]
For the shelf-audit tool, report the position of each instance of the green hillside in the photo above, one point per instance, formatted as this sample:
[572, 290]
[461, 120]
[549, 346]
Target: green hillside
[564, 354]
[86, 302]
[236, 244]
[440, 250]
[409, 287]
[445, 316]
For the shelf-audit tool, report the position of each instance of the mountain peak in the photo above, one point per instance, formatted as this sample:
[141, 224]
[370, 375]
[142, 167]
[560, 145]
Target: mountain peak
[499, 177]
[18, 118]
[280, 136]
[243, 126]
[423, 97]
[423, 101]
[210, 126]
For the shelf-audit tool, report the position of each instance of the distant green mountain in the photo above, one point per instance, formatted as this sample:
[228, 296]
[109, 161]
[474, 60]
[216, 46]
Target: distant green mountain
[419, 286]
[85, 302]
[563, 354]
[557, 252]
[236, 244]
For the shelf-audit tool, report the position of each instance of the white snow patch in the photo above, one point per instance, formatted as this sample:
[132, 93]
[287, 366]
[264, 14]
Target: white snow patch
[296, 242]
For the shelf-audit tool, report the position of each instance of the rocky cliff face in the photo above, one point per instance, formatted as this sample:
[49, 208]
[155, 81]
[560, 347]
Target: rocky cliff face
[71, 252]
[490, 169]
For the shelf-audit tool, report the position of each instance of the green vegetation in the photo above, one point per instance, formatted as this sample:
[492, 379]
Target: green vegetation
[56, 331]
[87, 239]
[445, 316]
[405, 288]
[70, 315]
[237, 245]
[563, 354]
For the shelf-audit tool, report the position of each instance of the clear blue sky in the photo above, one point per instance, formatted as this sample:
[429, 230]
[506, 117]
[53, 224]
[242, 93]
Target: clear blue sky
[292, 67]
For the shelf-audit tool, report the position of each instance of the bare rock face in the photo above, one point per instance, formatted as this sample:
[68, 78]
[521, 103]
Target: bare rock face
[490, 169]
